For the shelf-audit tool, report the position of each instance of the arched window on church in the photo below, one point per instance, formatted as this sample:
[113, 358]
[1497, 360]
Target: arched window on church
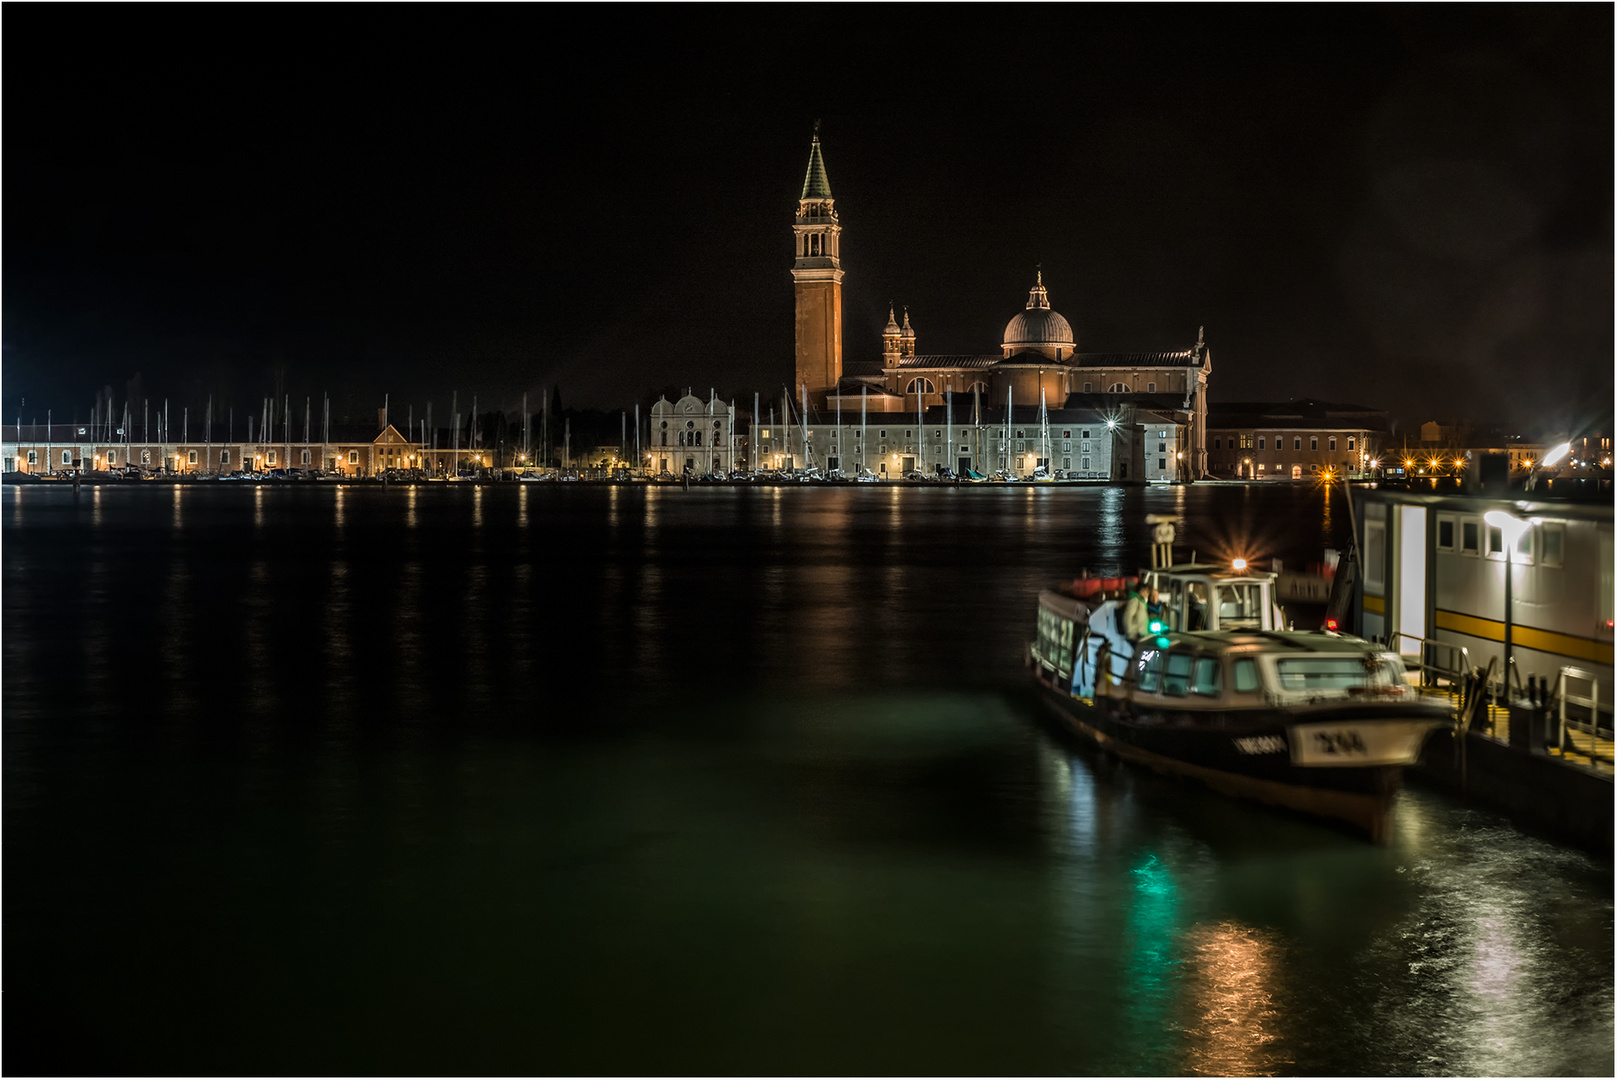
[1118, 388]
[978, 387]
[921, 386]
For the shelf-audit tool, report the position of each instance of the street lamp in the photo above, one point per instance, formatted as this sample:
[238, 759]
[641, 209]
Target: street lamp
[1510, 529]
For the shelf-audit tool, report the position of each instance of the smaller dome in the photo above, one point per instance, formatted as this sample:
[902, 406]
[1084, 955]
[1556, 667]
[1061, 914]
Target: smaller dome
[891, 329]
[908, 331]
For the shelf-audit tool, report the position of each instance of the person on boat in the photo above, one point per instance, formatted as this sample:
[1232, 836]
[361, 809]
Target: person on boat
[1197, 608]
[1134, 614]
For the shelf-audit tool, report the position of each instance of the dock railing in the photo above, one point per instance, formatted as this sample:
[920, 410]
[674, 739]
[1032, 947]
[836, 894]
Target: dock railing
[1565, 680]
[1441, 665]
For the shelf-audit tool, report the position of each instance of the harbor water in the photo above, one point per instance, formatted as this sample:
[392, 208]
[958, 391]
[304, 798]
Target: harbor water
[563, 778]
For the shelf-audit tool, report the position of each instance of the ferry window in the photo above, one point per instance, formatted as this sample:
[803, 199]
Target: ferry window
[1445, 532]
[1468, 537]
[1205, 679]
[1150, 676]
[1246, 676]
[1176, 682]
[1496, 542]
[1524, 547]
[1552, 538]
[1240, 606]
[1321, 673]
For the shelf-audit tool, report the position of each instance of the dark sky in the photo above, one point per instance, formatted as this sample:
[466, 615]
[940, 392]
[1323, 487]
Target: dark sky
[1405, 207]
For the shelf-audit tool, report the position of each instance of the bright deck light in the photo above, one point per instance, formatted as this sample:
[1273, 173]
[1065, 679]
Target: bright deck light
[1239, 564]
[1556, 454]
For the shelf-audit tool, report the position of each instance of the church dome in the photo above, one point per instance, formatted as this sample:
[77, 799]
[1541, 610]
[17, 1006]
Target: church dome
[1038, 325]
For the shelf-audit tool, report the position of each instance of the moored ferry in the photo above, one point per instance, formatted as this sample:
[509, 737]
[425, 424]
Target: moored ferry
[1217, 691]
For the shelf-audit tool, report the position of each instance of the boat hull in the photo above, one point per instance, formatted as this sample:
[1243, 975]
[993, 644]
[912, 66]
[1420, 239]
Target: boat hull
[1344, 764]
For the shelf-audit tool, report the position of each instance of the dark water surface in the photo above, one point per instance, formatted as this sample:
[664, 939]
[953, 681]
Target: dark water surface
[567, 779]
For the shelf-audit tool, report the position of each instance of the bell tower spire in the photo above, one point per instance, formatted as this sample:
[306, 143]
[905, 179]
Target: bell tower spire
[817, 279]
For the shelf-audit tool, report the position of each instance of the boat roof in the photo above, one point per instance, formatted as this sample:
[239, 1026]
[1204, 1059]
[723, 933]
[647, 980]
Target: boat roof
[1222, 571]
[1291, 642]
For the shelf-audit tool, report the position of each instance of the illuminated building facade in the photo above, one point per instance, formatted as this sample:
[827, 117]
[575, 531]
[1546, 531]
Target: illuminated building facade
[1038, 359]
[691, 436]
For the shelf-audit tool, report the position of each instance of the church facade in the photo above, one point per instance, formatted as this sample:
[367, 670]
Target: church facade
[1035, 379]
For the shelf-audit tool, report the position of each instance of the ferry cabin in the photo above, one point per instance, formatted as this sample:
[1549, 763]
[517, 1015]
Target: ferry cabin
[1446, 573]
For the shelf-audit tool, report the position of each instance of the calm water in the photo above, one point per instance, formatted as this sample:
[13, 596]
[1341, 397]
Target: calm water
[610, 780]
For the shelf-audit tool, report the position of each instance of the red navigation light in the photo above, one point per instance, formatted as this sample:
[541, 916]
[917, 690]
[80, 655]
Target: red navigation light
[1330, 624]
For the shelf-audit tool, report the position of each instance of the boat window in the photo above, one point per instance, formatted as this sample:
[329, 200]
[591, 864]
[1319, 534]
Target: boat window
[1240, 606]
[1246, 676]
[1176, 680]
[1150, 670]
[1205, 680]
[1321, 673]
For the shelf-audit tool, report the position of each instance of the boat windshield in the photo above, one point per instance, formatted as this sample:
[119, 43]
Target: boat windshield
[1333, 673]
[1240, 605]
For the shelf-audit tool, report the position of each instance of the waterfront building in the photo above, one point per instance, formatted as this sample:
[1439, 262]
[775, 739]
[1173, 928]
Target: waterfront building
[39, 449]
[1293, 440]
[1525, 582]
[1037, 360]
[691, 436]
[966, 436]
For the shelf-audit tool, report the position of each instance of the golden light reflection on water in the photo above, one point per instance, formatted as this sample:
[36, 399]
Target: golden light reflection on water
[410, 520]
[1229, 999]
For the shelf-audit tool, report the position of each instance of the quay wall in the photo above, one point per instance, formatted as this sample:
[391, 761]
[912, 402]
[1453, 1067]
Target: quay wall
[1549, 794]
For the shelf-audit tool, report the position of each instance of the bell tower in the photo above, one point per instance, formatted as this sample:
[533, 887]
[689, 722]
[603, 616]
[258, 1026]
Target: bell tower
[817, 281]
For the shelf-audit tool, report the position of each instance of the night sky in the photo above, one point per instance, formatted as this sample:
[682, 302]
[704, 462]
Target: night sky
[1408, 208]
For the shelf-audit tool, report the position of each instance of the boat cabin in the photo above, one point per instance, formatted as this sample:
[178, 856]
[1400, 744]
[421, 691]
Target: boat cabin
[1197, 597]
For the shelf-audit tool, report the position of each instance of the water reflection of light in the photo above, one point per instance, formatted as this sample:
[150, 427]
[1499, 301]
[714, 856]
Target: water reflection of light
[611, 510]
[522, 505]
[409, 509]
[339, 511]
[1230, 999]
[179, 506]
[1147, 982]
[258, 509]
[95, 508]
